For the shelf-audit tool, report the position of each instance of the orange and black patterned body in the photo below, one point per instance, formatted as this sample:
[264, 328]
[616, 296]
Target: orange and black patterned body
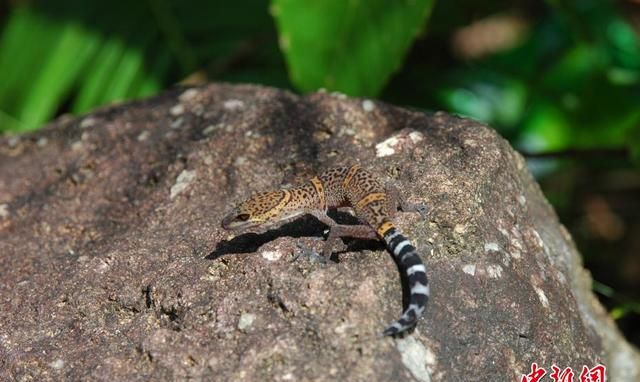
[373, 205]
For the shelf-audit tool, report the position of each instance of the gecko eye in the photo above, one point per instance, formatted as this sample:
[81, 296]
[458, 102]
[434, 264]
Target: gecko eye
[243, 217]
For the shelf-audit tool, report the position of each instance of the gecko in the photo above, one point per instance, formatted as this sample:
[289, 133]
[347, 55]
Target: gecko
[374, 205]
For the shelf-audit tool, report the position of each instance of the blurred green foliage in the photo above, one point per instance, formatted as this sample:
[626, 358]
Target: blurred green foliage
[73, 55]
[571, 81]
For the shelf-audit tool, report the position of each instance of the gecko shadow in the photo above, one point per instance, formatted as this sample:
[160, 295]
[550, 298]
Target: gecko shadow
[306, 226]
[250, 242]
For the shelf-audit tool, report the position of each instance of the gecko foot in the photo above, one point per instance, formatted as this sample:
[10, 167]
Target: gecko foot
[422, 210]
[416, 207]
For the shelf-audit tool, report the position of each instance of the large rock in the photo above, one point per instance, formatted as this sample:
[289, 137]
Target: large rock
[114, 266]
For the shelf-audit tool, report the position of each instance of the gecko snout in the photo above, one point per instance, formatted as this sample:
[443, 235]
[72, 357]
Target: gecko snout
[237, 220]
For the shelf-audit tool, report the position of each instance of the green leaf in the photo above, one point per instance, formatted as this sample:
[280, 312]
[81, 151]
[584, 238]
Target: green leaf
[97, 80]
[350, 46]
[487, 96]
[151, 83]
[60, 57]
[57, 75]
[547, 128]
[18, 61]
[574, 67]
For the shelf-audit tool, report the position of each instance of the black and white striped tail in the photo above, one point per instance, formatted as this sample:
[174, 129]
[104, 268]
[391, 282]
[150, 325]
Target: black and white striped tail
[416, 274]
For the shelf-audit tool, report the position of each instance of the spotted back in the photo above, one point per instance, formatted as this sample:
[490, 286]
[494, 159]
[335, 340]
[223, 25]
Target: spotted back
[332, 180]
[366, 195]
[271, 208]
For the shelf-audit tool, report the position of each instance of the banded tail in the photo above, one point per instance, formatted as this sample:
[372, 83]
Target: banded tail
[416, 273]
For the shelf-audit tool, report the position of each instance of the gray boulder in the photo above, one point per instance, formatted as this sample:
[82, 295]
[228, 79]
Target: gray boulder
[113, 265]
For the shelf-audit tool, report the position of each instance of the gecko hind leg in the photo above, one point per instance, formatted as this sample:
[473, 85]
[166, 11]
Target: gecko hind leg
[396, 200]
[333, 243]
[338, 231]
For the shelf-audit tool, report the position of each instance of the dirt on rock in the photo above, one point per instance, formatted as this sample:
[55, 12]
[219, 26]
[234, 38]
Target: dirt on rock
[113, 264]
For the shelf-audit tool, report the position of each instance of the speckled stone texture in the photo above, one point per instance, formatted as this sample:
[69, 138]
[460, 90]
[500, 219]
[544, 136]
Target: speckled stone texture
[113, 265]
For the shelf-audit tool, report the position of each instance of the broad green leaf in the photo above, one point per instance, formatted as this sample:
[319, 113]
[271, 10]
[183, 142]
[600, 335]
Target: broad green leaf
[104, 68]
[8, 123]
[351, 46]
[130, 68]
[20, 61]
[57, 75]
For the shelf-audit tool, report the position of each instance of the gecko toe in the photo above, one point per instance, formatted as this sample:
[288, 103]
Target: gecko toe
[305, 251]
[422, 210]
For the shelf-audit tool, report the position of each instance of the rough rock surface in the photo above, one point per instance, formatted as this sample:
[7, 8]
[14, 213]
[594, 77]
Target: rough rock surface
[114, 266]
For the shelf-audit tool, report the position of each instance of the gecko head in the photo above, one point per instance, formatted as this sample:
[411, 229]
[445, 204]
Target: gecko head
[258, 210]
